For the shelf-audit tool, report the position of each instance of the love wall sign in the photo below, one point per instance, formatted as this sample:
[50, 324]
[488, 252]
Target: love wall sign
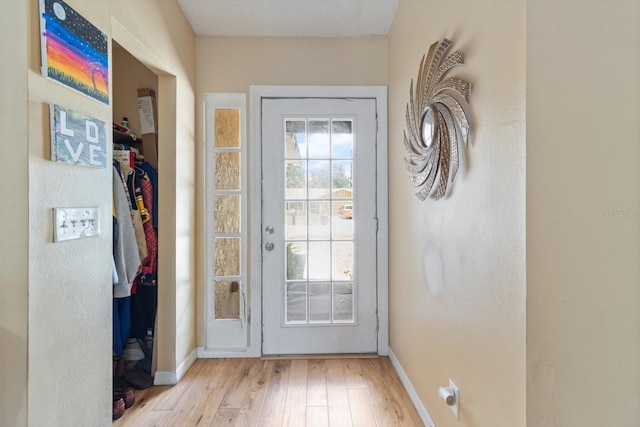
[77, 139]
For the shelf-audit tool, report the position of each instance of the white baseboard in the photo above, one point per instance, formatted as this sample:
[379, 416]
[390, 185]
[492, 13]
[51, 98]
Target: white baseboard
[222, 353]
[165, 378]
[422, 411]
[172, 377]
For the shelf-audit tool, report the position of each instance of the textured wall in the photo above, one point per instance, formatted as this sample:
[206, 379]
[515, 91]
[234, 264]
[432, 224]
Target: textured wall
[69, 314]
[583, 213]
[473, 330]
[14, 191]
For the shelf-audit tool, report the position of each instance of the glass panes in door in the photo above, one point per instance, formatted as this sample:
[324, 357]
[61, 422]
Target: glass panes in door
[318, 217]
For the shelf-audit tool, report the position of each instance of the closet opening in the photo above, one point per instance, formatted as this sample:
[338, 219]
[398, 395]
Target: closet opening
[135, 228]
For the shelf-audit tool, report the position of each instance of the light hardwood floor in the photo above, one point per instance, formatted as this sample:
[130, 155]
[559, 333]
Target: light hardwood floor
[279, 392]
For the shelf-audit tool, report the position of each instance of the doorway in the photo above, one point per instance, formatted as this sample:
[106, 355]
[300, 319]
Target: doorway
[322, 222]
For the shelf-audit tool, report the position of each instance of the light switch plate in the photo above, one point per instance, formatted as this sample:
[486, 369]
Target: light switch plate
[75, 223]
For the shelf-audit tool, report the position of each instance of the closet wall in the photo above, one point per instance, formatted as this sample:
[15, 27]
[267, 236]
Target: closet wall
[128, 76]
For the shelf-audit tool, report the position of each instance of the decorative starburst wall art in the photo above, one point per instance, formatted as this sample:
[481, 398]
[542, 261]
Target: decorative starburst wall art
[437, 120]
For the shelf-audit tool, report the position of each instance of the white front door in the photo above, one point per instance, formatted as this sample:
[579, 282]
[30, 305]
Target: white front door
[319, 224]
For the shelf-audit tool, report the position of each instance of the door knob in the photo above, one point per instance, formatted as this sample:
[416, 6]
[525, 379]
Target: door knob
[269, 246]
[269, 229]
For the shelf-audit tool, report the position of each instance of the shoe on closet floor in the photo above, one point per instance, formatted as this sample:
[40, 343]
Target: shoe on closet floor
[127, 395]
[118, 407]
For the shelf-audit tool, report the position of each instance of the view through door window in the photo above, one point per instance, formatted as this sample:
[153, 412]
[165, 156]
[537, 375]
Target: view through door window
[318, 214]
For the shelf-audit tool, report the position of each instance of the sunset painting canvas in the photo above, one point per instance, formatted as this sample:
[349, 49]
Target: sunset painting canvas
[74, 52]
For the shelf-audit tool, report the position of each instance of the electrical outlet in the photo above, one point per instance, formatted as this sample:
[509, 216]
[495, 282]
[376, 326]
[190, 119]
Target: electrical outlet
[455, 408]
[75, 223]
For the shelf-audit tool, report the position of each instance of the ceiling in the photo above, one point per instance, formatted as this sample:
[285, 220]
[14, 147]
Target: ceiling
[290, 18]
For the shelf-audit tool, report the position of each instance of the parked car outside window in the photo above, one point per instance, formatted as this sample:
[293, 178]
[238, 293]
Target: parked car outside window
[346, 212]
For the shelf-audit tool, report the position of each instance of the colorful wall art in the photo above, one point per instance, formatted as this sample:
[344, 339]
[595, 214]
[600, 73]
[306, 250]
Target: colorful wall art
[74, 52]
[77, 139]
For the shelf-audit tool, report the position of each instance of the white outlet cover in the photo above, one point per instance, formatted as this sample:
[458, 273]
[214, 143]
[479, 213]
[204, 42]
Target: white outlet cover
[455, 408]
[75, 223]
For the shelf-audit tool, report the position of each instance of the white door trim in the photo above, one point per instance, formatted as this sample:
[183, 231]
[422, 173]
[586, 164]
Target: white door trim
[379, 93]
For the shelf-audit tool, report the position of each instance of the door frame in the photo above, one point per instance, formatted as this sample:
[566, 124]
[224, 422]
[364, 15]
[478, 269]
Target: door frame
[257, 93]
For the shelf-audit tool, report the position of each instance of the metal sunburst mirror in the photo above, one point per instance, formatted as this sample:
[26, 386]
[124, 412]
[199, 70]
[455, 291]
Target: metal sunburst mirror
[437, 119]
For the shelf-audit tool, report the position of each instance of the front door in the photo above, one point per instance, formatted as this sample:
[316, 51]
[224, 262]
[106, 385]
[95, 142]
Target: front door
[319, 224]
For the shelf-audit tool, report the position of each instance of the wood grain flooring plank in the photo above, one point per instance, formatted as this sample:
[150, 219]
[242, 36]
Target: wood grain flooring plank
[225, 417]
[294, 392]
[295, 410]
[250, 371]
[317, 416]
[337, 397]
[353, 376]
[189, 402]
[205, 412]
[275, 399]
[316, 383]
[145, 399]
[252, 404]
[389, 400]
[361, 410]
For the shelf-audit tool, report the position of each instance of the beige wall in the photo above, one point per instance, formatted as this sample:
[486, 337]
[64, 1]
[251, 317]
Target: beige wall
[14, 190]
[583, 220]
[68, 284]
[233, 64]
[474, 330]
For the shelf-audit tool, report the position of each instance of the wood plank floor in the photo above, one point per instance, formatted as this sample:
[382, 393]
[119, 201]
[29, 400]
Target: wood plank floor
[335, 392]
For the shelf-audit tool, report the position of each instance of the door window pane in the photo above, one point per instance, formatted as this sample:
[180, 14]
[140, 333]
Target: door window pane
[342, 302]
[319, 261]
[342, 261]
[295, 220]
[319, 139]
[319, 220]
[296, 307]
[341, 179]
[296, 261]
[342, 139]
[319, 302]
[342, 220]
[295, 139]
[295, 179]
[319, 179]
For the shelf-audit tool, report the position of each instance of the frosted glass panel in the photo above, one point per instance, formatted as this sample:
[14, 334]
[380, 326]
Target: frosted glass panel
[227, 128]
[227, 171]
[227, 299]
[227, 256]
[227, 214]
